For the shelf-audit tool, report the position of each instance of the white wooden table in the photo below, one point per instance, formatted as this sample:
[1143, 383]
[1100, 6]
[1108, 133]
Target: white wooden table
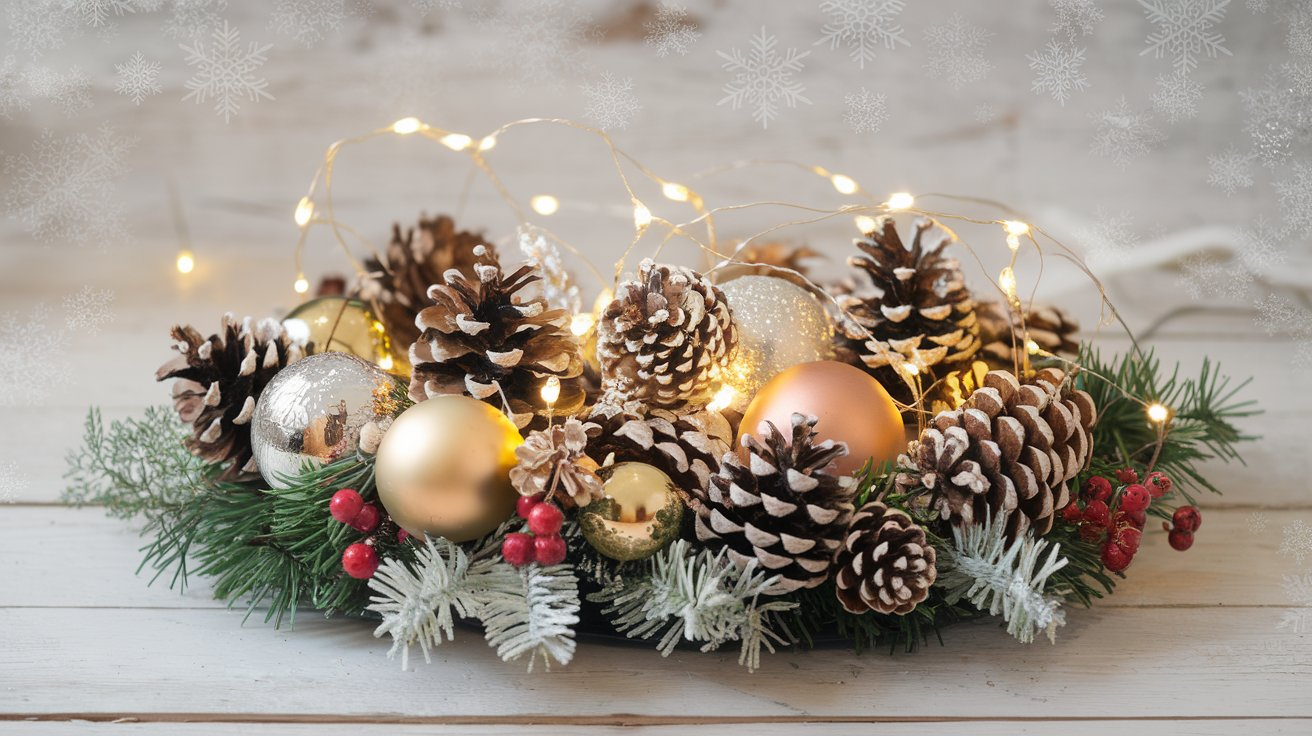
[1190, 644]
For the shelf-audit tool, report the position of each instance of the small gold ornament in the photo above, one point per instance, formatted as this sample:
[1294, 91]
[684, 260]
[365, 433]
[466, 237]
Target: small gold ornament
[780, 325]
[639, 514]
[443, 468]
[336, 324]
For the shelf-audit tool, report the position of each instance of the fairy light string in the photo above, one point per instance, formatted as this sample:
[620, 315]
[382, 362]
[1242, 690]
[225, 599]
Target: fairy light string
[318, 209]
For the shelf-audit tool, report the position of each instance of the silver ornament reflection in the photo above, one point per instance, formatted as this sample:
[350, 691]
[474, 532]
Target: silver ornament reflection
[313, 411]
[779, 325]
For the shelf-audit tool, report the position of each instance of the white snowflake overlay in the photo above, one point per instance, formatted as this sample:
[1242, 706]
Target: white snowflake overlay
[64, 190]
[13, 481]
[307, 21]
[1230, 171]
[1177, 96]
[1184, 30]
[1057, 71]
[13, 96]
[956, 51]
[1280, 315]
[671, 31]
[89, 309]
[35, 342]
[1075, 18]
[865, 111]
[1296, 541]
[1123, 135]
[138, 78]
[194, 18]
[1110, 236]
[763, 78]
[1295, 194]
[1258, 522]
[862, 26]
[985, 113]
[226, 72]
[611, 103]
[1298, 590]
[70, 90]
[539, 41]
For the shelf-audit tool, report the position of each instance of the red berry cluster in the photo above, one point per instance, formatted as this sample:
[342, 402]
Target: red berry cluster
[542, 542]
[1184, 522]
[359, 560]
[1115, 517]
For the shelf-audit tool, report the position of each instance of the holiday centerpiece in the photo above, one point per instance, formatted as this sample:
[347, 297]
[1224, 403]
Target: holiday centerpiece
[743, 453]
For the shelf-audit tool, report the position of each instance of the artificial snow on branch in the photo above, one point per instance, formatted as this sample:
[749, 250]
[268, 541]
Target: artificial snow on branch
[1002, 579]
[419, 604]
[697, 597]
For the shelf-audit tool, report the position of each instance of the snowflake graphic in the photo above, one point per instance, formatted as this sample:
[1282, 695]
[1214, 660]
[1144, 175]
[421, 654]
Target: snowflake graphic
[865, 111]
[1184, 30]
[763, 78]
[1278, 114]
[611, 104]
[671, 31]
[37, 26]
[1177, 96]
[13, 482]
[1283, 317]
[225, 72]
[31, 344]
[138, 78]
[1258, 522]
[985, 113]
[1296, 541]
[1230, 171]
[1057, 71]
[1260, 247]
[89, 310]
[194, 18]
[12, 96]
[99, 13]
[1298, 591]
[1298, 36]
[1257, 6]
[1295, 195]
[1204, 276]
[1111, 236]
[307, 21]
[539, 41]
[1123, 135]
[862, 26]
[1075, 18]
[70, 91]
[64, 190]
[427, 6]
[956, 52]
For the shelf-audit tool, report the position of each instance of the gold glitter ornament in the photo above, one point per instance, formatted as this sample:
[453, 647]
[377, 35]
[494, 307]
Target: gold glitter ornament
[336, 324]
[780, 325]
[639, 514]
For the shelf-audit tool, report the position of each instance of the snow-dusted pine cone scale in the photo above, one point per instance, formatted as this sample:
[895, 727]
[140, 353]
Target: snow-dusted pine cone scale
[886, 563]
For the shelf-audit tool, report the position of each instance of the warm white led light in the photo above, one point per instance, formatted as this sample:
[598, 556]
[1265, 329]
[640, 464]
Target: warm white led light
[844, 184]
[406, 126]
[544, 204]
[900, 201]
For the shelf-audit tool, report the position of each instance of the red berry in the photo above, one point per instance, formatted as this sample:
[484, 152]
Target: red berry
[1114, 558]
[1097, 514]
[1136, 519]
[1128, 540]
[517, 548]
[549, 550]
[360, 561]
[1096, 488]
[1188, 518]
[367, 520]
[401, 536]
[1181, 539]
[1135, 498]
[1072, 513]
[545, 520]
[345, 504]
[1127, 475]
[1159, 484]
[1092, 534]
[525, 504]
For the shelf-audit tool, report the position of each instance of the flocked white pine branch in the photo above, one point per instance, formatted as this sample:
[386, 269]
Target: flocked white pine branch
[1004, 579]
[699, 598]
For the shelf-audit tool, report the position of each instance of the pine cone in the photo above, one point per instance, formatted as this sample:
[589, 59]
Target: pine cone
[915, 305]
[551, 461]
[781, 508]
[1002, 330]
[665, 338]
[886, 564]
[1011, 446]
[219, 379]
[687, 447]
[398, 284]
[482, 339]
[774, 253]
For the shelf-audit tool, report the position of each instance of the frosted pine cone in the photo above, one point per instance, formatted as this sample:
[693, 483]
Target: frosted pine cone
[551, 461]
[1002, 331]
[685, 446]
[886, 564]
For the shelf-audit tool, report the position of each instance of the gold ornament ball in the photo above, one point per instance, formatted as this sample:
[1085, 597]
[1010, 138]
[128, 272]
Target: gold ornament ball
[780, 325]
[443, 468]
[639, 514]
[336, 324]
[851, 407]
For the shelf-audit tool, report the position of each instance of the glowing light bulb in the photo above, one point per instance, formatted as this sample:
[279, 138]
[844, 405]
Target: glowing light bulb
[385, 362]
[186, 262]
[304, 212]
[911, 369]
[406, 126]
[456, 141]
[844, 184]
[1013, 242]
[581, 323]
[676, 192]
[864, 223]
[900, 201]
[641, 215]
[551, 391]
[488, 143]
[1031, 347]
[602, 301]
[1015, 227]
[544, 204]
[1158, 413]
[722, 399]
[1007, 280]
[302, 285]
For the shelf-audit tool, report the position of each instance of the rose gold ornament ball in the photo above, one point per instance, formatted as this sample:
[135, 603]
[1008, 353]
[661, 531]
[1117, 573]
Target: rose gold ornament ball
[852, 407]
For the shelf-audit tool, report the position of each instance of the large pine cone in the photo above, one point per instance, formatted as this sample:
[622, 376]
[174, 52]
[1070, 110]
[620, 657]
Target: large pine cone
[1002, 331]
[219, 379]
[665, 338]
[886, 564]
[780, 507]
[915, 305]
[685, 446]
[397, 284]
[482, 339]
[1011, 446]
